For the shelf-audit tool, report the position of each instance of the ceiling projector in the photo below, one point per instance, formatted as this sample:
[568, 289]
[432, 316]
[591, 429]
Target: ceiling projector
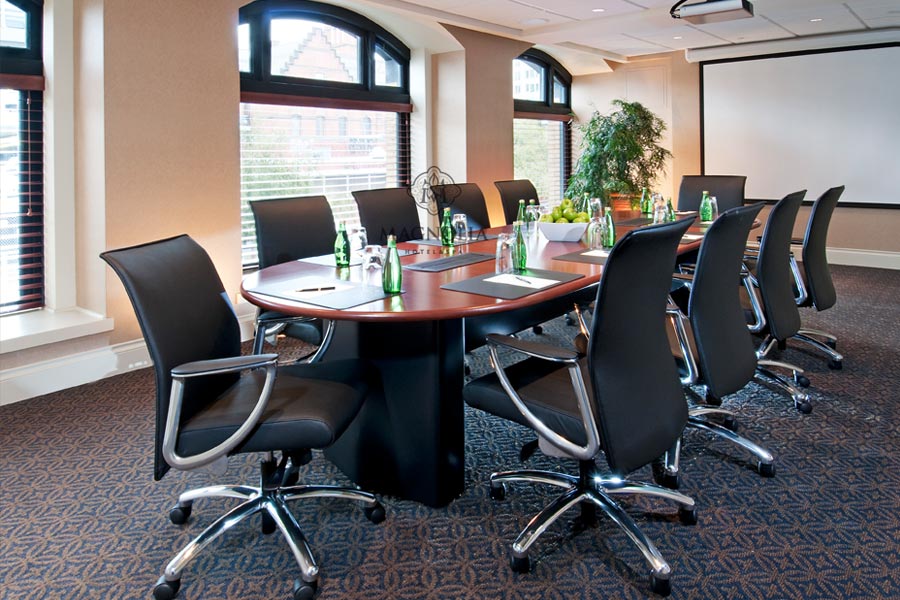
[712, 11]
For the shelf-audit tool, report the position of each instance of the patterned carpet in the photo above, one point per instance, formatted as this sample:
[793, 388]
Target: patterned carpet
[81, 517]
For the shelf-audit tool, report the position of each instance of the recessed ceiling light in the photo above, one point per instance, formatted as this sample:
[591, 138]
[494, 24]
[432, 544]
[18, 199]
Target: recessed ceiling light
[535, 21]
[598, 10]
[678, 37]
[814, 20]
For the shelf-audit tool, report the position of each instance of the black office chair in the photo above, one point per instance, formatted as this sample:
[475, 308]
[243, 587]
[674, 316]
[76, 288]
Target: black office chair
[780, 318]
[511, 191]
[816, 288]
[388, 211]
[622, 399]
[207, 410]
[716, 349]
[290, 229]
[465, 198]
[728, 190]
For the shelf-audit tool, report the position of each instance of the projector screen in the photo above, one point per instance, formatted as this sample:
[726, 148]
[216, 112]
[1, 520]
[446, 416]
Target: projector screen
[806, 121]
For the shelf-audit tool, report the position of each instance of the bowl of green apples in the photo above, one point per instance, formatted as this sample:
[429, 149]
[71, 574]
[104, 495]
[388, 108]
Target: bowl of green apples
[563, 223]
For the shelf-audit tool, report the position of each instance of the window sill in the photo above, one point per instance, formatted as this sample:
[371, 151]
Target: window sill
[41, 327]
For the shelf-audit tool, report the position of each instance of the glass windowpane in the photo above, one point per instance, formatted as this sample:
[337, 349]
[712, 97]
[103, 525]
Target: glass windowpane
[13, 26]
[387, 69]
[244, 47]
[314, 50]
[528, 81]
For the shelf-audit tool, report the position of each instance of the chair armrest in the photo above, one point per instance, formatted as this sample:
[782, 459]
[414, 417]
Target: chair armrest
[585, 406]
[535, 349]
[223, 365]
[176, 398]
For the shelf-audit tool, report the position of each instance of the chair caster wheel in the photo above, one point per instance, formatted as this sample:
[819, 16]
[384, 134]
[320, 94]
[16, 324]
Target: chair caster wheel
[498, 492]
[801, 380]
[180, 514]
[831, 344]
[766, 469]
[166, 590]
[659, 585]
[730, 423]
[375, 513]
[537, 329]
[519, 564]
[687, 516]
[304, 590]
[804, 407]
[835, 365]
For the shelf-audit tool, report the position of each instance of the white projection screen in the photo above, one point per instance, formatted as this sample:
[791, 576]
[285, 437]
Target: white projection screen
[806, 121]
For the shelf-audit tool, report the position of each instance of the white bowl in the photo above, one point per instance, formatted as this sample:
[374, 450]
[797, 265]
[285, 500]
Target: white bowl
[562, 232]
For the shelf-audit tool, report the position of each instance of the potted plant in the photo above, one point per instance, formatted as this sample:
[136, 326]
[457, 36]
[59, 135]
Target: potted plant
[620, 153]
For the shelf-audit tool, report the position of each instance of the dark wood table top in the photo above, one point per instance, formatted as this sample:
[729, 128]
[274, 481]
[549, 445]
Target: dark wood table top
[423, 298]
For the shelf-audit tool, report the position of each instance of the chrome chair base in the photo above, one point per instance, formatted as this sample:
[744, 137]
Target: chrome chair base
[772, 379]
[670, 469]
[809, 336]
[592, 490]
[272, 503]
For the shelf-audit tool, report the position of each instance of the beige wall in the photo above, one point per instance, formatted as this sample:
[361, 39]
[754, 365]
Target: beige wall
[474, 89]
[668, 86]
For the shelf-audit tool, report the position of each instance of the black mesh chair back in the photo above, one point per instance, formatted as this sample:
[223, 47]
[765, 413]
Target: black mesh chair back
[511, 192]
[463, 198]
[388, 211]
[725, 348]
[773, 268]
[815, 263]
[728, 190]
[184, 314]
[641, 409]
[291, 228]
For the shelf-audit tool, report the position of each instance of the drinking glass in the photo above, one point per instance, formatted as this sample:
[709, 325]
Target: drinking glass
[594, 234]
[503, 259]
[373, 257]
[715, 207]
[533, 211]
[359, 240]
[461, 227]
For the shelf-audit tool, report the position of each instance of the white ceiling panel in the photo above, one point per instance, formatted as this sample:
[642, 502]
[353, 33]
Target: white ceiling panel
[583, 10]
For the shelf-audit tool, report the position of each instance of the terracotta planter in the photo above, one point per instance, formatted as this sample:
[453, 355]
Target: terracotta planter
[623, 202]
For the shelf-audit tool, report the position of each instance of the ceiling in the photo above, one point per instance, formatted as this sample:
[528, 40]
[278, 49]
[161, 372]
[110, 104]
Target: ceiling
[624, 30]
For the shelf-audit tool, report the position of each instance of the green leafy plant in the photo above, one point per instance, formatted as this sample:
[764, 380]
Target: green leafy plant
[620, 152]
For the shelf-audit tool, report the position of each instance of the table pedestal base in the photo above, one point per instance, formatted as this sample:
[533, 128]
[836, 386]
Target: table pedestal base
[407, 442]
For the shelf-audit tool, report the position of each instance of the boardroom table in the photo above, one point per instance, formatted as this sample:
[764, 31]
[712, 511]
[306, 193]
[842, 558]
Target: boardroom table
[408, 438]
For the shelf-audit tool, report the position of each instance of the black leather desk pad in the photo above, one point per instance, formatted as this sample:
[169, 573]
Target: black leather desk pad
[478, 285]
[449, 262]
[581, 257]
[351, 296]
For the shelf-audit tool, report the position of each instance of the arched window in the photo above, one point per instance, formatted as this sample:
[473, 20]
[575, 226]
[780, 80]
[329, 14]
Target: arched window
[541, 128]
[306, 61]
[21, 156]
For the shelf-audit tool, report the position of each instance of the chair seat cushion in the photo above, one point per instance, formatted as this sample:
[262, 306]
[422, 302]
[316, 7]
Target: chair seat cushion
[544, 386]
[310, 406]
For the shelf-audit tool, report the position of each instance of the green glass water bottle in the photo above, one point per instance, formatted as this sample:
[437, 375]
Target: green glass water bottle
[705, 208]
[609, 239]
[391, 273]
[342, 247]
[670, 210]
[646, 202]
[447, 232]
[519, 248]
[520, 216]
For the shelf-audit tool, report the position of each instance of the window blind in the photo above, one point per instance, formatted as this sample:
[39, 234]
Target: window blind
[21, 200]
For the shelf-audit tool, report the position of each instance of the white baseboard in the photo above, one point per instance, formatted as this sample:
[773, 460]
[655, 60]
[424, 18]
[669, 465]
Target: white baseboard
[46, 377]
[863, 258]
